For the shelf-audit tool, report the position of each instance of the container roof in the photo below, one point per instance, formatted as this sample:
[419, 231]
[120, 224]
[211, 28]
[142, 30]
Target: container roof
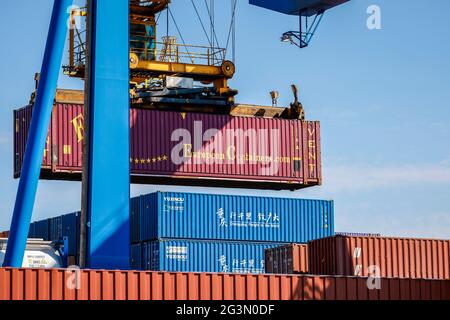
[294, 7]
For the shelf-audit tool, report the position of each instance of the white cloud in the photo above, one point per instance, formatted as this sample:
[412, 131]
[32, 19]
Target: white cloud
[364, 177]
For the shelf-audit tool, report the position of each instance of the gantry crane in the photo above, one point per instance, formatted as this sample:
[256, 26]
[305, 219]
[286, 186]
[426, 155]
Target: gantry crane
[151, 61]
[104, 62]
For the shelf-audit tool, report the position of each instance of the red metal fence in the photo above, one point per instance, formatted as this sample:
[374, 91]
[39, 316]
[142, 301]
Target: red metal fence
[57, 284]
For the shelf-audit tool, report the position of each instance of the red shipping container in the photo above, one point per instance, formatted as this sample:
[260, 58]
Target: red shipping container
[58, 284]
[4, 234]
[289, 259]
[391, 257]
[189, 148]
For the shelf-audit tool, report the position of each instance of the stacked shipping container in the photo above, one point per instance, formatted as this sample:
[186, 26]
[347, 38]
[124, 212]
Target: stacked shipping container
[391, 257]
[218, 233]
[188, 148]
[55, 229]
[26, 284]
[288, 259]
[365, 256]
[164, 215]
[173, 231]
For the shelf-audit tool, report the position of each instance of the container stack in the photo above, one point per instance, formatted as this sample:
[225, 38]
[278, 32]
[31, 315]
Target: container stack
[248, 146]
[58, 228]
[364, 256]
[220, 233]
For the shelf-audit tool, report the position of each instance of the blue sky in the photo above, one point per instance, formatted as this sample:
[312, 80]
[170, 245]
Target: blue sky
[383, 97]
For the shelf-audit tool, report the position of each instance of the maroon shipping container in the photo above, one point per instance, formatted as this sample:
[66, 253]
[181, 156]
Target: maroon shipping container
[289, 259]
[189, 148]
[4, 234]
[58, 284]
[393, 257]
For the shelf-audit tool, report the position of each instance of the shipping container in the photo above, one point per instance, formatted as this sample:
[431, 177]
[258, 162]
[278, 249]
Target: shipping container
[4, 234]
[136, 257]
[71, 230]
[204, 256]
[288, 259]
[135, 219]
[189, 149]
[56, 228]
[42, 229]
[31, 284]
[390, 257]
[235, 218]
[32, 230]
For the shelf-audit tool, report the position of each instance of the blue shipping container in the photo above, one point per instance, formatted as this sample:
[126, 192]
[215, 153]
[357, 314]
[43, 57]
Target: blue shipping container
[169, 215]
[42, 230]
[204, 256]
[135, 219]
[71, 230]
[56, 229]
[136, 257]
[32, 230]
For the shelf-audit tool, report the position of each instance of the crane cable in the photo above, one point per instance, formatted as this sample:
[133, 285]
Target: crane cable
[201, 22]
[212, 24]
[181, 36]
[232, 27]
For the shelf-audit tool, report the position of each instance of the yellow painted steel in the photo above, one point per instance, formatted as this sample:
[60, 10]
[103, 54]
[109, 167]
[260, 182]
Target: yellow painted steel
[180, 68]
[205, 64]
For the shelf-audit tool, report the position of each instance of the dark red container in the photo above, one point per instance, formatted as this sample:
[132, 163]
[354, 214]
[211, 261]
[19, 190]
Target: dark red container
[4, 234]
[289, 259]
[189, 148]
[57, 284]
[394, 257]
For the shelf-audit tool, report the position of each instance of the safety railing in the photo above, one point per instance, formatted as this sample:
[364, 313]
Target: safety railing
[170, 51]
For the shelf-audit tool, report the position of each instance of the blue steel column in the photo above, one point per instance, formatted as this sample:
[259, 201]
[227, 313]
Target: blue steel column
[40, 122]
[108, 171]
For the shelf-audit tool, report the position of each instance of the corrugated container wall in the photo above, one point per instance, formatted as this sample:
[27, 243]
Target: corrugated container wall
[204, 256]
[54, 229]
[189, 148]
[4, 234]
[136, 257]
[135, 219]
[289, 259]
[32, 230]
[71, 230]
[392, 257]
[237, 218]
[38, 284]
[42, 230]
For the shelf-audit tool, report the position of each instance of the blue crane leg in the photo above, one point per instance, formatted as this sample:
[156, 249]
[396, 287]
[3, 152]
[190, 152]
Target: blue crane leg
[108, 171]
[40, 122]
